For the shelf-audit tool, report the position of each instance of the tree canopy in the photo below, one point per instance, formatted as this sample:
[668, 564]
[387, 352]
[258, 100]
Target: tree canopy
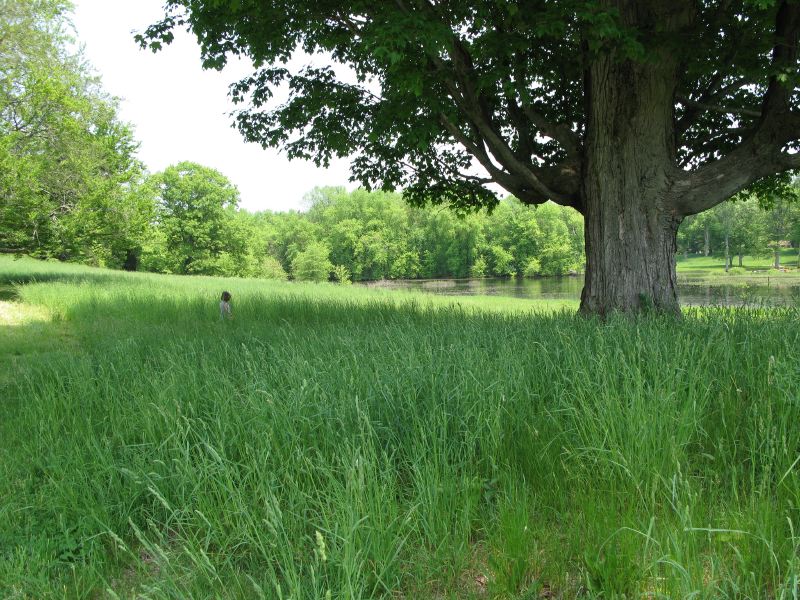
[441, 84]
[193, 212]
[69, 179]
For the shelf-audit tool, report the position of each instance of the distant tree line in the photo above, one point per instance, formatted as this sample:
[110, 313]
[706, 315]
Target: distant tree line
[192, 225]
[752, 225]
[348, 236]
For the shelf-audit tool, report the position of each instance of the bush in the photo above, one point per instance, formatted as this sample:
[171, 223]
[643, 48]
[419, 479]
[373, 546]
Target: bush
[556, 259]
[532, 268]
[480, 268]
[737, 271]
[341, 274]
[503, 262]
[271, 268]
[223, 264]
[405, 266]
[313, 263]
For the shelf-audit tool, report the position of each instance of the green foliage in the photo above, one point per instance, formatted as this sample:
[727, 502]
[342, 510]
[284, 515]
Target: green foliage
[376, 235]
[70, 184]
[341, 274]
[194, 211]
[533, 268]
[438, 79]
[313, 263]
[270, 268]
[480, 268]
[184, 221]
[557, 253]
[502, 262]
[752, 225]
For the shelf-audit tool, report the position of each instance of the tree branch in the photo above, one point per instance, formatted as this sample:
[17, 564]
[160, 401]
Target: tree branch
[763, 152]
[729, 110]
[474, 107]
[784, 57]
[760, 155]
[713, 88]
[560, 133]
[519, 176]
[526, 118]
[459, 174]
[476, 149]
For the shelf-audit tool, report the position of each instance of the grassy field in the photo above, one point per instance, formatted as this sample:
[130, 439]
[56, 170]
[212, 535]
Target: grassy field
[334, 442]
[756, 268]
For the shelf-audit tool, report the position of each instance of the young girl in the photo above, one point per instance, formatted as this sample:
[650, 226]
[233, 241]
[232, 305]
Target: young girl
[225, 306]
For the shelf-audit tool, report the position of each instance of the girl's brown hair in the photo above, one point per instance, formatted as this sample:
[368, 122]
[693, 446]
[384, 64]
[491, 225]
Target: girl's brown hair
[226, 296]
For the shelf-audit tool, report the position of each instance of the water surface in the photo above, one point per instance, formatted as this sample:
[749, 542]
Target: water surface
[693, 292]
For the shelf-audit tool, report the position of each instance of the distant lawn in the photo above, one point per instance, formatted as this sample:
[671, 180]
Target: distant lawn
[715, 264]
[757, 270]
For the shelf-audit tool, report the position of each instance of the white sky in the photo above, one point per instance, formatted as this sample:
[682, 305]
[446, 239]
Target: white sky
[180, 112]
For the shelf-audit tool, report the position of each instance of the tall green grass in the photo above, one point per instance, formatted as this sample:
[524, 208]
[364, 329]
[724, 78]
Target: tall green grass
[344, 443]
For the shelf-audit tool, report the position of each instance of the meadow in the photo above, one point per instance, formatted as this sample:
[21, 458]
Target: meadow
[342, 442]
[757, 268]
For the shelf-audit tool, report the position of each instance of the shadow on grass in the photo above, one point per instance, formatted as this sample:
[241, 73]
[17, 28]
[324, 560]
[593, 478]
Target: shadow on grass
[9, 280]
[7, 293]
[28, 341]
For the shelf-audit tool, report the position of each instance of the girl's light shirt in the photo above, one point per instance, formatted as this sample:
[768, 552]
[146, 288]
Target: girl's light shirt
[224, 310]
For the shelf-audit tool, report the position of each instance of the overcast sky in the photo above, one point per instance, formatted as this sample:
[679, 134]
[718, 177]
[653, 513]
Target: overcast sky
[180, 112]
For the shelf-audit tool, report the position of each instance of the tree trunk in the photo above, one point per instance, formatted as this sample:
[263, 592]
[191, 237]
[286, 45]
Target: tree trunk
[630, 227]
[727, 254]
[740, 260]
[777, 257]
[706, 241]
[131, 260]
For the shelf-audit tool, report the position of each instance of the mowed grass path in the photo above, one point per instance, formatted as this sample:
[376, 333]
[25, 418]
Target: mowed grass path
[333, 442]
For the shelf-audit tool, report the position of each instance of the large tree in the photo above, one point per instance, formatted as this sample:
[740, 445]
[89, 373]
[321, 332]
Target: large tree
[195, 208]
[68, 173]
[635, 112]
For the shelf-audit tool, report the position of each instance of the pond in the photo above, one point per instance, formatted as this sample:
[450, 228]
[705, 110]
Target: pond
[693, 292]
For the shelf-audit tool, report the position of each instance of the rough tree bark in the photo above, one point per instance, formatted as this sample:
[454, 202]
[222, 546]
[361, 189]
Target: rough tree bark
[633, 193]
[630, 226]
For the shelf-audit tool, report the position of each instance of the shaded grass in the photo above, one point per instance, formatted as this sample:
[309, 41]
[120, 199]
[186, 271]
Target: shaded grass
[368, 444]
